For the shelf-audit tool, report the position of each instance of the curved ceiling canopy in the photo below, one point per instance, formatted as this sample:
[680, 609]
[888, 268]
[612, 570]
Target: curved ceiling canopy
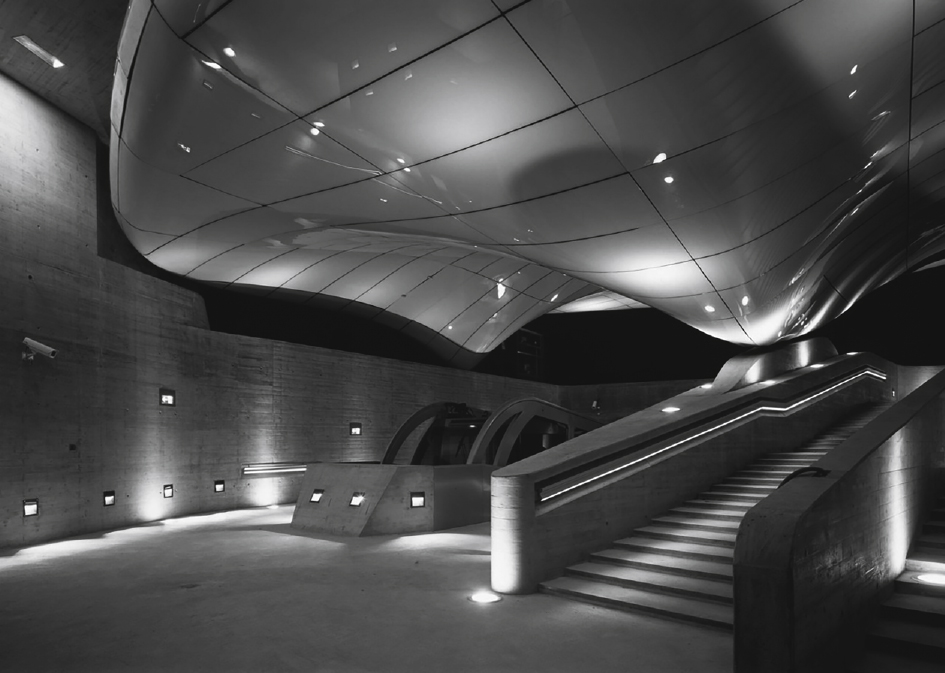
[456, 168]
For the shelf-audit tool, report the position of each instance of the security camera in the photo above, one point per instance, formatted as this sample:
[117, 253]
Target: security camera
[33, 347]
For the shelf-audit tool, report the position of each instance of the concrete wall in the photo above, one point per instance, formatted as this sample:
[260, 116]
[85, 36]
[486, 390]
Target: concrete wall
[616, 400]
[814, 560]
[89, 421]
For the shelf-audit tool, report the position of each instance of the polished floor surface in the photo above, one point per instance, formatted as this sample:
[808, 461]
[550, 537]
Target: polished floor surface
[242, 591]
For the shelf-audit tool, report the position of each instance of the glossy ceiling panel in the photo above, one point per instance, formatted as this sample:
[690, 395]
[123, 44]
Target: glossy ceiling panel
[358, 281]
[928, 110]
[380, 199]
[233, 264]
[585, 43]
[446, 228]
[143, 198]
[642, 248]
[928, 67]
[400, 283]
[282, 269]
[467, 92]
[135, 18]
[648, 285]
[185, 15]
[306, 55]
[544, 158]
[283, 164]
[599, 301]
[695, 102]
[784, 125]
[598, 209]
[927, 13]
[174, 110]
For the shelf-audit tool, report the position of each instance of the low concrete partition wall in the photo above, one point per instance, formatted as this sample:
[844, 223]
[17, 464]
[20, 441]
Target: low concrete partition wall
[814, 560]
[534, 539]
[453, 495]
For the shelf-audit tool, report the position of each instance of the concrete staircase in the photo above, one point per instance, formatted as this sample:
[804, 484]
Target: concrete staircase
[680, 566]
[910, 633]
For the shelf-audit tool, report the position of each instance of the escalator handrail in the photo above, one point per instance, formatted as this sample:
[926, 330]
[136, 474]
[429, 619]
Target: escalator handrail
[506, 412]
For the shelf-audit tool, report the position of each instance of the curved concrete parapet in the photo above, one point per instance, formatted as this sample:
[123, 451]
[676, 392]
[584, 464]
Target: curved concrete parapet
[550, 510]
[814, 559]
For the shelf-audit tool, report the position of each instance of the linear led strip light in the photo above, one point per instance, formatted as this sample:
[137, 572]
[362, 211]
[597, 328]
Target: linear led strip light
[273, 468]
[39, 51]
[764, 408]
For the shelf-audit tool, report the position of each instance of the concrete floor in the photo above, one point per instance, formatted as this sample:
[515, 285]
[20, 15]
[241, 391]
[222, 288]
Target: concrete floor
[242, 591]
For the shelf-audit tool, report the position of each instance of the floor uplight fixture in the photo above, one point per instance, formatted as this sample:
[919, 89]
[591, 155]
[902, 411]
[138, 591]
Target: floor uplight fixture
[485, 597]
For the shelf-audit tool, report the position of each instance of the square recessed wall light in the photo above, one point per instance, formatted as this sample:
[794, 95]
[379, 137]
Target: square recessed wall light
[317, 495]
[219, 485]
[354, 429]
[418, 499]
[168, 490]
[356, 499]
[31, 507]
[108, 498]
[167, 397]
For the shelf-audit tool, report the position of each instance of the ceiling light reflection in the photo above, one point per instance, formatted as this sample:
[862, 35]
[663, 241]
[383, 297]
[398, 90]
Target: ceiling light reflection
[709, 308]
[659, 158]
[668, 179]
[211, 64]
[229, 51]
[314, 131]
[853, 70]
[852, 94]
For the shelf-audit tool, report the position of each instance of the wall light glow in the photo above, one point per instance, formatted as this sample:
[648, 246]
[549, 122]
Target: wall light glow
[932, 578]
[669, 410]
[706, 386]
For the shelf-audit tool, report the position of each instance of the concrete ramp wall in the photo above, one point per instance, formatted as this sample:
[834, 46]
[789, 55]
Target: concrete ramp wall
[453, 495]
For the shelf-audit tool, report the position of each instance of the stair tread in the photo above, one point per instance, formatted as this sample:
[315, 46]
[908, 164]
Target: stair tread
[671, 563]
[676, 547]
[708, 612]
[743, 505]
[917, 603]
[909, 632]
[682, 520]
[687, 510]
[691, 533]
[652, 580]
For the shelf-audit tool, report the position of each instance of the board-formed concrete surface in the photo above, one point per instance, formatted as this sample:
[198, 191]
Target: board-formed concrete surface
[242, 591]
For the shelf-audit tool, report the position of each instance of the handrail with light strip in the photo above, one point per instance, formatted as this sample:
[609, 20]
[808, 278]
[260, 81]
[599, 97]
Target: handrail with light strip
[764, 409]
[272, 468]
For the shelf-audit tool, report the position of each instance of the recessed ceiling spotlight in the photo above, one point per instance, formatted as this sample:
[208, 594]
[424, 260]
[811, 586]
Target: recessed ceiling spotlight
[709, 308]
[400, 161]
[555, 297]
[314, 131]
[449, 327]
[706, 386]
[882, 114]
[669, 410]
[355, 65]
[208, 85]
[320, 125]
[852, 94]
[853, 70]
[383, 200]
[184, 147]
[229, 51]
[391, 48]
[407, 170]
[659, 158]
[369, 92]
[211, 64]
[39, 51]
[668, 179]
[745, 300]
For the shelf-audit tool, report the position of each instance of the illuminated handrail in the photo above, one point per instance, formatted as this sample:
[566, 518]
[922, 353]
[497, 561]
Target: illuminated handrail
[512, 418]
[635, 455]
